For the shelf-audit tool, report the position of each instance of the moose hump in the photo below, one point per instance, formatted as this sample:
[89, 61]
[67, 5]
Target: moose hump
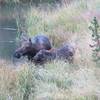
[33, 45]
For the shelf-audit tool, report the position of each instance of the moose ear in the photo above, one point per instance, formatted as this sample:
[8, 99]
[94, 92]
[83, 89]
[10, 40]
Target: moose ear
[23, 37]
[29, 39]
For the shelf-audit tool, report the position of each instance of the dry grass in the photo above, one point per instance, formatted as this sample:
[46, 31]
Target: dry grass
[57, 80]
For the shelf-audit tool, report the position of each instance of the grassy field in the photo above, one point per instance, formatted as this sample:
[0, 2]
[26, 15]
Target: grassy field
[57, 80]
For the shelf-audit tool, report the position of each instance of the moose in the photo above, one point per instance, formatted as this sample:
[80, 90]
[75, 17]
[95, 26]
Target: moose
[33, 45]
[65, 52]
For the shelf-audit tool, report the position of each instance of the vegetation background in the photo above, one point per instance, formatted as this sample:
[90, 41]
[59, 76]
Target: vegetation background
[62, 21]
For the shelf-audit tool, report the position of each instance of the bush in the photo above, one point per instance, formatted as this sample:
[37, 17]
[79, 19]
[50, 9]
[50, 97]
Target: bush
[96, 40]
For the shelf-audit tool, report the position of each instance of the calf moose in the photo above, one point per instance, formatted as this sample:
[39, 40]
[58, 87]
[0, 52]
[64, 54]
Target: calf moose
[65, 52]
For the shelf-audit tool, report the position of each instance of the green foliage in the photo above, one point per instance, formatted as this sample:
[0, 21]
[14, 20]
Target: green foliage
[96, 39]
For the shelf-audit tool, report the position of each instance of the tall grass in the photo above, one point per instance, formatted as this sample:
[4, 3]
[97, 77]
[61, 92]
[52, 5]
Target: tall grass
[56, 80]
[61, 24]
[65, 24]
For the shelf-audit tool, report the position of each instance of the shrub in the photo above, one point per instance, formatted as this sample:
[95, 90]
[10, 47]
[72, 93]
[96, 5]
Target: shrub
[96, 40]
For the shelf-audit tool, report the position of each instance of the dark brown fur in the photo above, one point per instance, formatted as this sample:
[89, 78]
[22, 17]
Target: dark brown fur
[30, 47]
[65, 52]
